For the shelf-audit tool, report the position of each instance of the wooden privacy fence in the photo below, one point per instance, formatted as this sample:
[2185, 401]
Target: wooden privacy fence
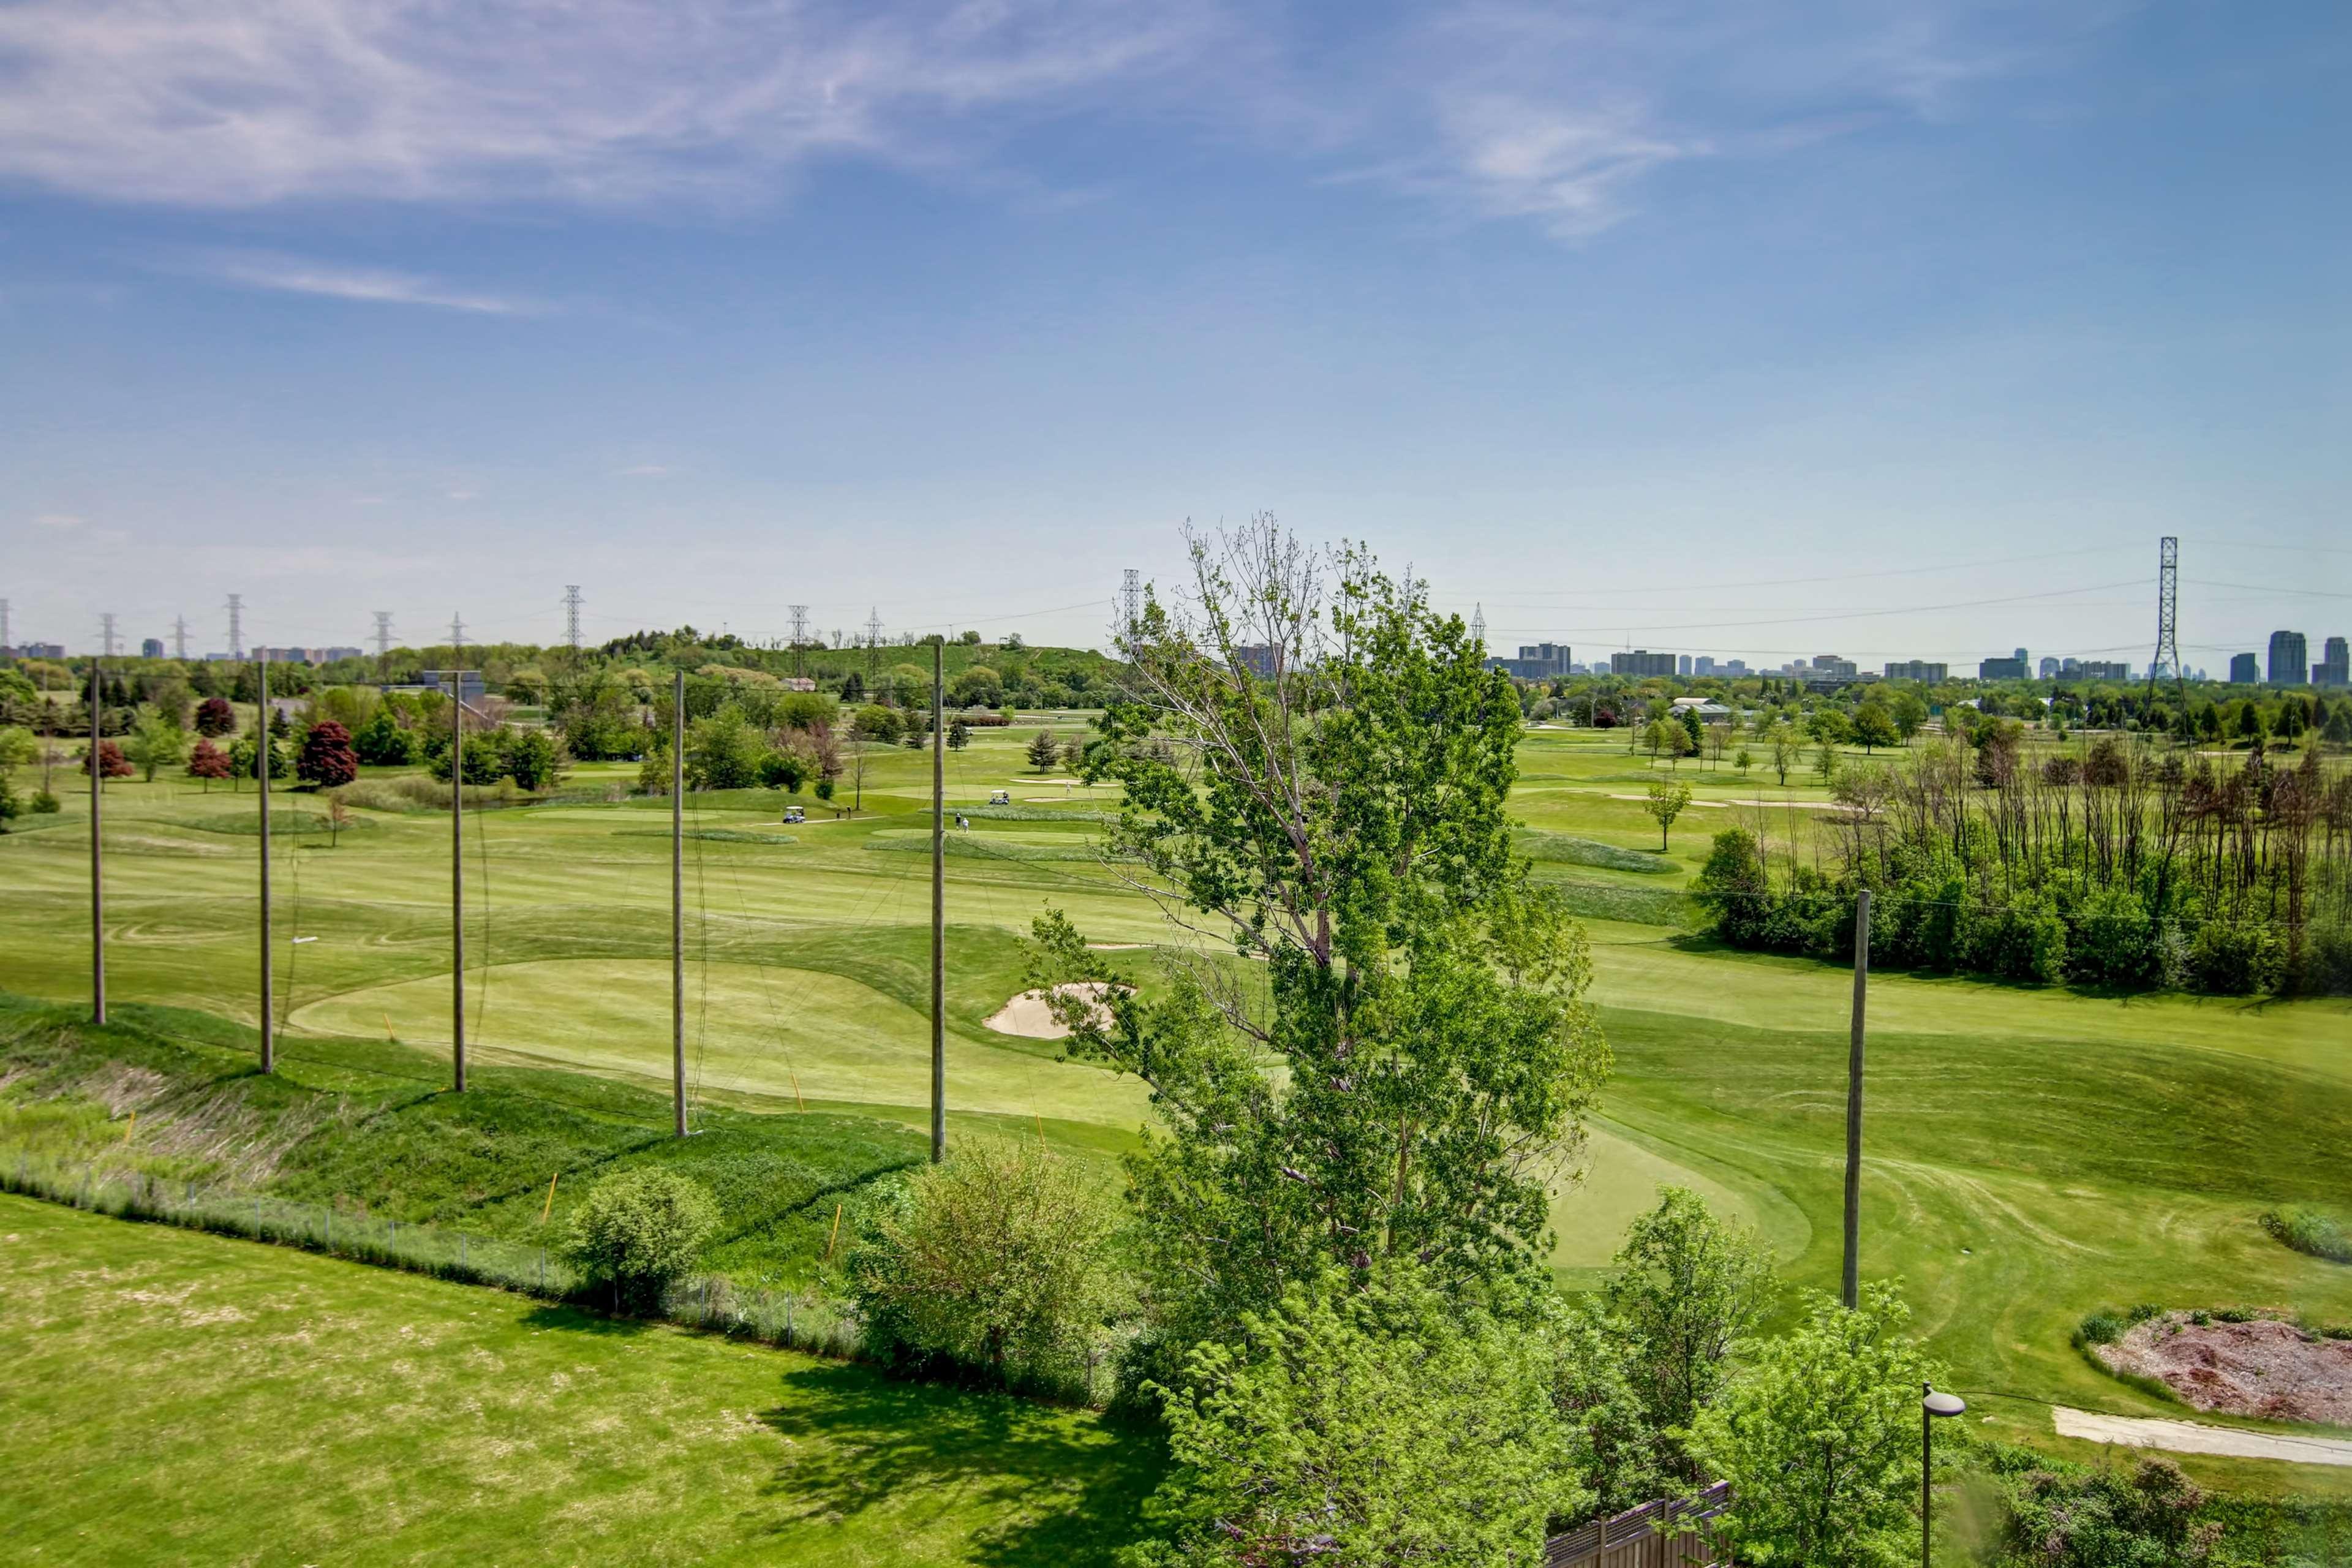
[1667, 1533]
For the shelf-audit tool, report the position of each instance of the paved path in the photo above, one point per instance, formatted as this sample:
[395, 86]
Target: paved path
[2196, 1437]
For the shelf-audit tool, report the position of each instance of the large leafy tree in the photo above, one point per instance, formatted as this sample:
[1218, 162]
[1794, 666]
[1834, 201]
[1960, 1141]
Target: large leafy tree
[1820, 1439]
[326, 759]
[1407, 1072]
[216, 718]
[1686, 1288]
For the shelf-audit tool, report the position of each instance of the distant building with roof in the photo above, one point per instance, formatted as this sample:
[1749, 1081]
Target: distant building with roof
[1642, 662]
[2287, 655]
[1537, 661]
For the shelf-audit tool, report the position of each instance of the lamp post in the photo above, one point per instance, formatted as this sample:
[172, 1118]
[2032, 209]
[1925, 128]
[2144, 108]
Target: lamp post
[1933, 1407]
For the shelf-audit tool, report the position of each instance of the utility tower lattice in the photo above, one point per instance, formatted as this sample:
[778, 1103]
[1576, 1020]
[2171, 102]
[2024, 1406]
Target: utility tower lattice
[457, 632]
[2168, 616]
[1131, 602]
[236, 627]
[382, 635]
[572, 614]
[873, 642]
[800, 636]
[179, 636]
[1479, 626]
[107, 634]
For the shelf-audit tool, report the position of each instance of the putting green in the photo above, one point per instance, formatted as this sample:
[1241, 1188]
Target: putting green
[750, 1028]
[1621, 1178]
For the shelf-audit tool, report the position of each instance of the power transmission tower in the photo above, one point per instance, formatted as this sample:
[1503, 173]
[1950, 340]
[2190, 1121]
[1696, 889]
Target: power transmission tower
[572, 614]
[2168, 615]
[1131, 602]
[457, 632]
[1479, 626]
[179, 636]
[383, 636]
[873, 644]
[236, 626]
[800, 636]
[106, 635]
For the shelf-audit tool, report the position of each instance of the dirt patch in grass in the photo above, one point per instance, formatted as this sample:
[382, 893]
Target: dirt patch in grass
[2262, 1367]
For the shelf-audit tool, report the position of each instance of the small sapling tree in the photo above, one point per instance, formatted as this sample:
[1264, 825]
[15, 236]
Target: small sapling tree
[1666, 801]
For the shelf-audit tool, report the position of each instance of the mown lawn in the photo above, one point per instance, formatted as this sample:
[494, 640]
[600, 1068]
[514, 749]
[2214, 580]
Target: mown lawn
[172, 1396]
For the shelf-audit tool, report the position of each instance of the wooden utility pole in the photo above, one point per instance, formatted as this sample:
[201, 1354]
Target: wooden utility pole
[677, 899]
[939, 905]
[1850, 1284]
[261, 750]
[97, 876]
[458, 881]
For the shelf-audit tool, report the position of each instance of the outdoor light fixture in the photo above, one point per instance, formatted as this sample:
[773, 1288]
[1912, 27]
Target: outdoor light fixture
[1933, 1407]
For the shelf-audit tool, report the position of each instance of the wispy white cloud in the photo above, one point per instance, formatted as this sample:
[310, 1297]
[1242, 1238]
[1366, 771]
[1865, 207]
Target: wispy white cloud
[1550, 112]
[366, 285]
[191, 102]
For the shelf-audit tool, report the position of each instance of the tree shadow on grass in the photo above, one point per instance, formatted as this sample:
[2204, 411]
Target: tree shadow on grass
[580, 1320]
[1025, 1483]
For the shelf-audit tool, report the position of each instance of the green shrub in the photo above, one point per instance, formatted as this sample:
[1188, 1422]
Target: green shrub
[2100, 1328]
[2077, 1519]
[1820, 1438]
[2142, 1313]
[2234, 1315]
[44, 802]
[1375, 1427]
[639, 1230]
[2308, 1231]
[2234, 960]
[998, 1261]
[2113, 945]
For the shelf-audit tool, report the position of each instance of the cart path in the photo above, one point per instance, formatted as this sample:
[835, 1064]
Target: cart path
[2196, 1437]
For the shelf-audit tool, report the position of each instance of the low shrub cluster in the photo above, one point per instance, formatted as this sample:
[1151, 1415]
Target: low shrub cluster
[2309, 1230]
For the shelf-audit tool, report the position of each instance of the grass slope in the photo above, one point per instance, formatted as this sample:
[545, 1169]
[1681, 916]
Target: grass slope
[177, 1397]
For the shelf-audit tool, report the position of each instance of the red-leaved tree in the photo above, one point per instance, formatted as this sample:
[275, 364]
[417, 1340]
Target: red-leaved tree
[327, 759]
[207, 763]
[216, 718]
[111, 762]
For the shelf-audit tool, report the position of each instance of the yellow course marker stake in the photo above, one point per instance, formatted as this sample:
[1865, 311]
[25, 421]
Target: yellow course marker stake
[836, 1233]
[796, 1092]
[130, 1127]
[387, 1028]
[549, 1207]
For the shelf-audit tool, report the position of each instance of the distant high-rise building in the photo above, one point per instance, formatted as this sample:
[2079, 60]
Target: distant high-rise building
[2102, 670]
[1641, 661]
[1537, 661]
[1925, 671]
[1828, 665]
[2021, 659]
[2001, 668]
[1258, 659]
[1682, 664]
[2287, 655]
[1735, 666]
[2049, 667]
[1703, 665]
[2245, 669]
[152, 647]
[2335, 666]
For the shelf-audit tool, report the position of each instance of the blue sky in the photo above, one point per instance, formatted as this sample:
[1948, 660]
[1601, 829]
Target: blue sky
[1724, 328]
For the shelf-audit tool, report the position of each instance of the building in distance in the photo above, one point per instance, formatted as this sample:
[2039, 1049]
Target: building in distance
[2011, 669]
[1537, 661]
[2287, 655]
[1925, 671]
[2245, 669]
[2334, 666]
[151, 648]
[1641, 662]
[1254, 658]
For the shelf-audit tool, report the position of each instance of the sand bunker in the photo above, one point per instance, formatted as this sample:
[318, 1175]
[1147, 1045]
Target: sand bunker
[2263, 1367]
[1030, 1017]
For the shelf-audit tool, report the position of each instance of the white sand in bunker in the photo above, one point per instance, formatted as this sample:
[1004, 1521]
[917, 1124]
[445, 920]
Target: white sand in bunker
[1030, 1017]
[2262, 1367]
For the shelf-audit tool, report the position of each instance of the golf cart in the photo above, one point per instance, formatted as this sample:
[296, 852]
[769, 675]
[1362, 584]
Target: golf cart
[1000, 797]
[794, 814]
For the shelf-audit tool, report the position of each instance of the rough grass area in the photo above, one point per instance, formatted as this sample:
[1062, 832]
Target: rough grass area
[177, 1397]
[1569, 850]
[364, 1128]
[2309, 1230]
